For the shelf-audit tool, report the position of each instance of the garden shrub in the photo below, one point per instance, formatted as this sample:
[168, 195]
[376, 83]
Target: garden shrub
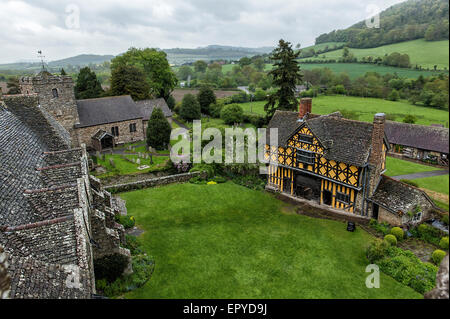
[143, 267]
[133, 244]
[215, 109]
[382, 228]
[444, 219]
[232, 114]
[110, 267]
[437, 256]
[190, 108]
[376, 250]
[427, 233]
[444, 243]
[198, 180]
[254, 182]
[126, 221]
[402, 265]
[218, 179]
[398, 233]
[391, 239]
[207, 168]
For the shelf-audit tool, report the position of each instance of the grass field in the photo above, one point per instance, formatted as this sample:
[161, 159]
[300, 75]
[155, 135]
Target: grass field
[421, 52]
[396, 167]
[436, 183]
[252, 246]
[355, 70]
[366, 108]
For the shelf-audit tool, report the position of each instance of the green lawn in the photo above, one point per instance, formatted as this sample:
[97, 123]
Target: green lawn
[227, 241]
[355, 70]
[395, 167]
[366, 108]
[436, 183]
[421, 52]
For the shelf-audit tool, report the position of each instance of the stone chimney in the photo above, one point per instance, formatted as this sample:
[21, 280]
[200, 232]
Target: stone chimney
[377, 139]
[304, 107]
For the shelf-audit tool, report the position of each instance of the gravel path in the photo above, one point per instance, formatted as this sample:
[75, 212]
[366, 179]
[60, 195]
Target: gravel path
[421, 175]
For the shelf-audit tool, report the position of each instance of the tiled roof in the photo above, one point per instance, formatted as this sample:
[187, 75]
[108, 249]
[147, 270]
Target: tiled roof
[20, 154]
[344, 140]
[431, 138]
[107, 110]
[147, 107]
[397, 196]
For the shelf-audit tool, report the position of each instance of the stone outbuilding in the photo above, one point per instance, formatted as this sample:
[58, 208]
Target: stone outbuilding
[400, 204]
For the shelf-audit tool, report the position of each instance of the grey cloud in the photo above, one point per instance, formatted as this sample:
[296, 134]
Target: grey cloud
[112, 26]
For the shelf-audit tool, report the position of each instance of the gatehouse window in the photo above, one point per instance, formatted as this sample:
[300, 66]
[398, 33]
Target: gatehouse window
[55, 93]
[306, 138]
[342, 197]
[115, 131]
[305, 157]
[132, 127]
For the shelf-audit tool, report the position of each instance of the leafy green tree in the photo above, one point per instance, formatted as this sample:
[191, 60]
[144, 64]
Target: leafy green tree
[232, 114]
[129, 80]
[286, 74]
[87, 85]
[155, 67]
[394, 95]
[171, 102]
[245, 61]
[184, 71]
[205, 98]
[13, 85]
[200, 66]
[190, 108]
[63, 72]
[259, 64]
[158, 130]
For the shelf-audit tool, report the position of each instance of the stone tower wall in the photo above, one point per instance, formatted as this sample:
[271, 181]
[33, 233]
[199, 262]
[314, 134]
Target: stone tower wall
[56, 96]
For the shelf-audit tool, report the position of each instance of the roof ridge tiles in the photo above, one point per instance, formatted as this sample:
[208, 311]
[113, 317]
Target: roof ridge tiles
[38, 224]
[49, 189]
[57, 166]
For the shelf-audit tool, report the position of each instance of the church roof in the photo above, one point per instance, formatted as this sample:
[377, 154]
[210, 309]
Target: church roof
[432, 138]
[107, 110]
[147, 107]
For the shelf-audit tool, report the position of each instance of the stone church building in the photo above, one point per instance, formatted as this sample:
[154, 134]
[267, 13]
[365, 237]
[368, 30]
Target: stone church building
[100, 123]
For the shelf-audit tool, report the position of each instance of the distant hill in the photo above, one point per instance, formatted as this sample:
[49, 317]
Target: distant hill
[81, 60]
[410, 20]
[212, 52]
[422, 53]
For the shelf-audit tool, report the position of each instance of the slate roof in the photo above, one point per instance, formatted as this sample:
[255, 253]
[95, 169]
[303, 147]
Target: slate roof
[147, 107]
[397, 196]
[20, 153]
[107, 110]
[432, 138]
[344, 140]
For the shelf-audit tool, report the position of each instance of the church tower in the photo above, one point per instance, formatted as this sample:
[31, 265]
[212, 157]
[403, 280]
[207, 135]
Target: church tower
[56, 96]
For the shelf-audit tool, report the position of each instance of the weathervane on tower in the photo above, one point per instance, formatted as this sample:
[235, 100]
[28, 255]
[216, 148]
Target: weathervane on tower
[42, 59]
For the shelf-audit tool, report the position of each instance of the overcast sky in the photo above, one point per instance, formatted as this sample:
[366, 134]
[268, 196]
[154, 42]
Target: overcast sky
[66, 28]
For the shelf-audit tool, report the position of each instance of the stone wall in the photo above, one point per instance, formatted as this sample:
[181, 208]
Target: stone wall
[125, 136]
[5, 280]
[388, 217]
[153, 182]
